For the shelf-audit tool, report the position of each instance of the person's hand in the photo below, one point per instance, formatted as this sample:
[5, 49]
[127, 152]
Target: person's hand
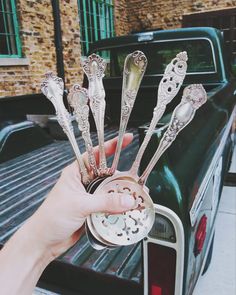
[54, 227]
[57, 223]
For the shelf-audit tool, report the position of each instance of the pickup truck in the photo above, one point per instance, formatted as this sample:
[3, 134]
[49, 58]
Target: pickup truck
[185, 185]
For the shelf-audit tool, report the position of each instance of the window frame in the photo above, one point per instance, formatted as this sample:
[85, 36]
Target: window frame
[16, 31]
[215, 63]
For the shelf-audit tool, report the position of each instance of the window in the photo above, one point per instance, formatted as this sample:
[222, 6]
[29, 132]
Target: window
[159, 54]
[9, 34]
[96, 21]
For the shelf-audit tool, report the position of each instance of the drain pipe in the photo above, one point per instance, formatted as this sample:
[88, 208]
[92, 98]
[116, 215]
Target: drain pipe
[58, 43]
[58, 38]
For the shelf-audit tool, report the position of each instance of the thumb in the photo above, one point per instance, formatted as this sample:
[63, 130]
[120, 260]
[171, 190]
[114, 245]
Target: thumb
[108, 203]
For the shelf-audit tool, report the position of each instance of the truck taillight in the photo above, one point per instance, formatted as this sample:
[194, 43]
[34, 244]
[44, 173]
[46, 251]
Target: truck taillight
[200, 235]
[161, 269]
[156, 290]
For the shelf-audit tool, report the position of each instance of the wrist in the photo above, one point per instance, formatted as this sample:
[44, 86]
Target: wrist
[31, 236]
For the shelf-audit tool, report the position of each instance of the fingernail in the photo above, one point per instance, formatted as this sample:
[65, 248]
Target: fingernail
[127, 201]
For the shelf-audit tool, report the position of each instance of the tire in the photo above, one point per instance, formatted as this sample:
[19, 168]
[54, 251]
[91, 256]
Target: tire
[209, 256]
[230, 179]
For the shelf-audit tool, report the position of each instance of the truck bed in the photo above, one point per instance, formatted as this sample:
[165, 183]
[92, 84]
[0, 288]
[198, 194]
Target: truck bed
[24, 183]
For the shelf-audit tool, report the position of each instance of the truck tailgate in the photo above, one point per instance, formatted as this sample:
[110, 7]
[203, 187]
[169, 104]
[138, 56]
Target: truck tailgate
[24, 183]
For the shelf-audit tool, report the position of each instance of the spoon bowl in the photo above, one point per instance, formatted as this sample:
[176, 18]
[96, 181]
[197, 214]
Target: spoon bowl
[129, 227]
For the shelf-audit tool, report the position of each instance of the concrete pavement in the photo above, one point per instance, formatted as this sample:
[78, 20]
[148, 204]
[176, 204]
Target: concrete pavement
[220, 279]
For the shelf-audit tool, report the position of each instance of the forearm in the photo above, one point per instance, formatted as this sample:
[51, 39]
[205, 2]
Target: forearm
[22, 261]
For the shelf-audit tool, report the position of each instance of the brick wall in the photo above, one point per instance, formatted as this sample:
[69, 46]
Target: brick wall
[37, 35]
[36, 31]
[37, 38]
[167, 14]
[121, 17]
[71, 41]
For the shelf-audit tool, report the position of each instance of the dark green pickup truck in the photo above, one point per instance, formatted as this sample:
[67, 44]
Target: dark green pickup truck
[185, 185]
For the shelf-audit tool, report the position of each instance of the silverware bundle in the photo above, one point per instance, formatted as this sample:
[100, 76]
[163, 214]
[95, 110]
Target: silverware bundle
[104, 230]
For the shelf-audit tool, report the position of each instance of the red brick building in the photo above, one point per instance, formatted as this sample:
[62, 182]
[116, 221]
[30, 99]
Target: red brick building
[37, 36]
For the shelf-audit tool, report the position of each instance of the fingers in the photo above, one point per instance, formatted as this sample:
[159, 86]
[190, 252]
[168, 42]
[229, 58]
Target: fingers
[71, 173]
[110, 147]
[107, 203]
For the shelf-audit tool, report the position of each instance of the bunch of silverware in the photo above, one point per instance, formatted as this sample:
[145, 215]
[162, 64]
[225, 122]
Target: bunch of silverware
[105, 230]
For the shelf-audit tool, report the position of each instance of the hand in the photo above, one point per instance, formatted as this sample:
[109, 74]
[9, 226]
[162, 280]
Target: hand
[57, 223]
[54, 227]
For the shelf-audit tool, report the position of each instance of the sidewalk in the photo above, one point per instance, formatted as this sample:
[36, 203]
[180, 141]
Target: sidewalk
[220, 279]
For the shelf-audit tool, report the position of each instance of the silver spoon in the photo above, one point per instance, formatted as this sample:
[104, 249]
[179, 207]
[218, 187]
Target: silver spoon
[168, 88]
[78, 99]
[53, 87]
[134, 225]
[94, 67]
[194, 96]
[134, 68]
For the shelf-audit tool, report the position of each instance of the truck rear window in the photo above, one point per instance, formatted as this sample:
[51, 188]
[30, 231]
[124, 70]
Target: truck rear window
[159, 54]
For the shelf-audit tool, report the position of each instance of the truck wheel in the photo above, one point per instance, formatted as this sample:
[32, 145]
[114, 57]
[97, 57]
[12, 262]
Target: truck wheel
[209, 256]
[230, 179]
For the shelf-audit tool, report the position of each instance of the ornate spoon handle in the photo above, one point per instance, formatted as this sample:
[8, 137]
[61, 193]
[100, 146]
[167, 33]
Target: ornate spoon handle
[168, 88]
[78, 99]
[193, 97]
[134, 68]
[52, 87]
[94, 67]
